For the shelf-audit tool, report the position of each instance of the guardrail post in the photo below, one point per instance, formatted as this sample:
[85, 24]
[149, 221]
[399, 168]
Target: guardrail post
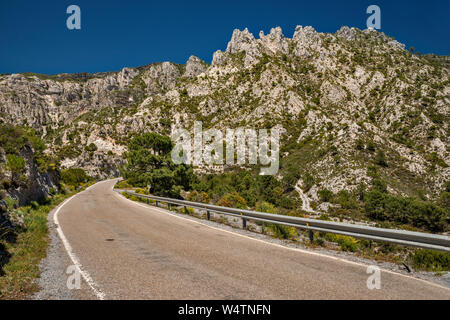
[208, 215]
[157, 203]
[311, 235]
[244, 223]
[148, 201]
[185, 210]
[168, 204]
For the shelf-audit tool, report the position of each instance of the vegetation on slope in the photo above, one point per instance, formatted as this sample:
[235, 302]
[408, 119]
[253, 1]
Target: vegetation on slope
[22, 248]
[23, 229]
[149, 165]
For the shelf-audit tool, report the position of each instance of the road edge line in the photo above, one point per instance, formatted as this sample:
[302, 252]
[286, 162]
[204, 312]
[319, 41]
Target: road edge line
[86, 276]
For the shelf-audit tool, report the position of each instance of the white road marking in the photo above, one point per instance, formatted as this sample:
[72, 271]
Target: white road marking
[87, 277]
[275, 244]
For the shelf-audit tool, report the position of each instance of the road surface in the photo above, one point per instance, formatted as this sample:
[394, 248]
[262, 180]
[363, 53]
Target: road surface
[129, 250]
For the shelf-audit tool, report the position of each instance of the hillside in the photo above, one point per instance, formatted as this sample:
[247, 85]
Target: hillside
[26, 173]
[352, 105]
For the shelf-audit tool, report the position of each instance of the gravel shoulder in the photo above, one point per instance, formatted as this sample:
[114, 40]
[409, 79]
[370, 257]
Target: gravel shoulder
[53, 280]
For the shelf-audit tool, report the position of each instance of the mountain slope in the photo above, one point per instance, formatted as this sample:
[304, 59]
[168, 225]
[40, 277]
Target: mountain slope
[353, 105]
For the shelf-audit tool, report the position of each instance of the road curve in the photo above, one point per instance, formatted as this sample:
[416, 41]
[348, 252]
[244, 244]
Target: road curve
[129, 250]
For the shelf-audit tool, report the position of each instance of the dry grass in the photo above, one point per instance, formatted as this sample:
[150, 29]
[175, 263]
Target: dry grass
[25, 248]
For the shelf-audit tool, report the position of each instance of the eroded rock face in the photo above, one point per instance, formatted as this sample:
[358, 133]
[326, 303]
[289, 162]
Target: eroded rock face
[306, 40]
[194, 66]
[37, 100]
[218, 58]
[275, 41]
[346, 33]
[32, 184]
[333, 89]
[240, 41]
[39, 184]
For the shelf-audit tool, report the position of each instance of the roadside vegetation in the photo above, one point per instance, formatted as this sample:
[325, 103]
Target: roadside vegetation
[12, 141]
[23, 225]
[248, 190]
[418, 259]
[149, 165]
[24, 246]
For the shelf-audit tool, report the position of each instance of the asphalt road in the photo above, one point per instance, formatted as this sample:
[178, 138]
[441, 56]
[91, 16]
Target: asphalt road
[129, 250]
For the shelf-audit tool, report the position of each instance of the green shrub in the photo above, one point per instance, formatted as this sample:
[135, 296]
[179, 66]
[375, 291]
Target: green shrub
[248, 185]
[445, 199]
[233, 200]
[12, 139]
[91, 147]
[359, 144]
[379, 185]
[123, 185]
[347, 243]
[319, 241]
[34, 205]
[141, 191]
[325, 195]
[149, 163]
[195, 196]
[286, 202]
[324, 217]
[187, 210]
[380, 159]
[344, 198]
[282, 232]
[308, 182]
[422, 214]
[265, 207]
[74, 176]
[131, 197]
[279, 231]
[370, 146]
[10, 202]
[430, 260]
[15, 163]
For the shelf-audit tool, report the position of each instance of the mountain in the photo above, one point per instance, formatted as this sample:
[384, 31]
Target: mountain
[351, 105]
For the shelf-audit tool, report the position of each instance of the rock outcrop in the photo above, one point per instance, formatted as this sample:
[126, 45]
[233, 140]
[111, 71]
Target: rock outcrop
[31, 184]
[194, 66]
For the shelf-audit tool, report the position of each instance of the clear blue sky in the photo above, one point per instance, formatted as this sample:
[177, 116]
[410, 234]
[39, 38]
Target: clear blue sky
[115, 34]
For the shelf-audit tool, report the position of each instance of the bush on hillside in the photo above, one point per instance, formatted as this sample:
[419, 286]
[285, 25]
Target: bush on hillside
[74, 176]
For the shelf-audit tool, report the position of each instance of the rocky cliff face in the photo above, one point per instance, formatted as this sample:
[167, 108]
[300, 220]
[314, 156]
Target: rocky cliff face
[343, 100]
[38, 184]
[21, 187]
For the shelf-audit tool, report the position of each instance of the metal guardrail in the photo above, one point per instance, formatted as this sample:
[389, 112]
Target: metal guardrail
[402, 237]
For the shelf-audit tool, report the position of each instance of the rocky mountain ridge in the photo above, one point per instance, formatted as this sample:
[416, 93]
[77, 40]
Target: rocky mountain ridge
[351, 105]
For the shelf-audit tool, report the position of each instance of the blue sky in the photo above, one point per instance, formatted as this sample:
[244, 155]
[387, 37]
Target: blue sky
[115, 34]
